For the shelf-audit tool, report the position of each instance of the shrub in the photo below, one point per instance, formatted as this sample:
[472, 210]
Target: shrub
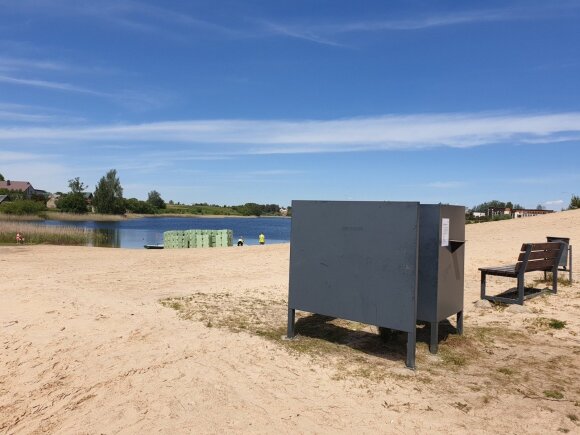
[72, 203]
[22, 207]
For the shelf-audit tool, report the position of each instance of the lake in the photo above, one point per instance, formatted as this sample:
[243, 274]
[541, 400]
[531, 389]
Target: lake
[134, 233]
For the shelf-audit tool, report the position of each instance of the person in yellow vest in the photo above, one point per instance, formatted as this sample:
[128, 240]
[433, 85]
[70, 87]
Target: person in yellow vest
[262, 238]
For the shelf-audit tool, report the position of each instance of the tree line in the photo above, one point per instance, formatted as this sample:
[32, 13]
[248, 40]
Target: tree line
[483, 207]
[108, 198]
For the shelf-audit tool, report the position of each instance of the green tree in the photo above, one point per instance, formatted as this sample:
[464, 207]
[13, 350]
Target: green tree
[574, 203]
[2, 177]
[251, 209]
[74, 201]
[76, 185]
[540, 207]
[155, 200]
[108, 196]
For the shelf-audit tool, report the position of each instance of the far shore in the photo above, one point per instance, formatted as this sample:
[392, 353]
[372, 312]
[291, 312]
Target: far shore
[57, 216]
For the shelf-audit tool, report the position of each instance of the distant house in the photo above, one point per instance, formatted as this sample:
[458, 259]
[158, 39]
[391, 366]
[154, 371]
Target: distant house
[16, 186]
[44, 193]
[516, 213]
[498, 211]
[524, 212]
[88, 197]
[478, 214]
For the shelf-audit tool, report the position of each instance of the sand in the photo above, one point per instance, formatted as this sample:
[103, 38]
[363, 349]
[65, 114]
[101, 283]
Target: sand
[87, 347]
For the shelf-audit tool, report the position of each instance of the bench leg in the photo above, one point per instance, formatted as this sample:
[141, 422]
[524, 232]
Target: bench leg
[521, 289]
[483, 275]
[433, 344]
[555, 279]
[460, 322]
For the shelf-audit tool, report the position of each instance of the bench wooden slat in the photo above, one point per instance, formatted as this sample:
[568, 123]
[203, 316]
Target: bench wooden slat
[548, 246]
[546, 265]
[536, 255]
[509, 270]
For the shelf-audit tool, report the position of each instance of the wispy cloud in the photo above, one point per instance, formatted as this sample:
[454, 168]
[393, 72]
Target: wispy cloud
[300, 33]
[138, 101]
[393, 132]
[327, 32]
[10, 112]
[128, 14]
[46, 84]
[18, 64]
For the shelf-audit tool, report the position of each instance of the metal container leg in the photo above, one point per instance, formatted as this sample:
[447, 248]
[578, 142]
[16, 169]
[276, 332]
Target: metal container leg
[291, 322]
[411, 344]
[434, 337]
[460, 323]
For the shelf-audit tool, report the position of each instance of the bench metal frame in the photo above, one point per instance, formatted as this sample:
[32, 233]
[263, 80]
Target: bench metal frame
[534, 257]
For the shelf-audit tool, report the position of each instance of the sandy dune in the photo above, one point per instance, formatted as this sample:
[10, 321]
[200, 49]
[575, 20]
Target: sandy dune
[86, 347]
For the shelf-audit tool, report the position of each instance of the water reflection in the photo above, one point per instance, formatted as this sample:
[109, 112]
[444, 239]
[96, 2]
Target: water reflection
[106, 238]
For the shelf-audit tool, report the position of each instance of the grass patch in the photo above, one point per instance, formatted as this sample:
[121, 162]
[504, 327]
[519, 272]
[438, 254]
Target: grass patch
[353, 348]
[572, 417]
[549, 279]
[545, 323]
[506, 371]
[553, 394]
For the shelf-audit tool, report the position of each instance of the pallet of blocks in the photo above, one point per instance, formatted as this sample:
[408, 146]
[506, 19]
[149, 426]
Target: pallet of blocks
[197, 239]
[175, 240]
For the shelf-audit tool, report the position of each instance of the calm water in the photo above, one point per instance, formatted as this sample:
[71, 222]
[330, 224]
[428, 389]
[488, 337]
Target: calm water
[135, 233]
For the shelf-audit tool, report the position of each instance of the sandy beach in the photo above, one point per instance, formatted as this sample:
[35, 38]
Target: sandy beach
[87, 346]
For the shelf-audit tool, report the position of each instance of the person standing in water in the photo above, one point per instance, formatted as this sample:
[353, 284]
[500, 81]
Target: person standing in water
[262, 238]
[241, 241]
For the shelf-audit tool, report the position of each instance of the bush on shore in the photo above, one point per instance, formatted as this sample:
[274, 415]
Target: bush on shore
[23, 207]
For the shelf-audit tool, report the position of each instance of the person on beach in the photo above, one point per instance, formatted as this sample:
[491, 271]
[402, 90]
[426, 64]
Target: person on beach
[19, 239]
[241, 241]
[262, 238]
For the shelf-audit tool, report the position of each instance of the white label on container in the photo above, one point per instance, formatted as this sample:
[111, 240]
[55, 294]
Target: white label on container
[445, 232]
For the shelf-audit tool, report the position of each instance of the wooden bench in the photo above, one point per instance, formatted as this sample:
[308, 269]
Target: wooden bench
[533, 257]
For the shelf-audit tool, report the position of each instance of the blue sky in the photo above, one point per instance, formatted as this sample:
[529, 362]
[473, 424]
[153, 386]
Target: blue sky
[267, 101]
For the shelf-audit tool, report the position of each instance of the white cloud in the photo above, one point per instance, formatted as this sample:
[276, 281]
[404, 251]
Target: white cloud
[392, 132]
[323, 33]
[49, 85]
[554, 202]
[127, 14]
[18, 64]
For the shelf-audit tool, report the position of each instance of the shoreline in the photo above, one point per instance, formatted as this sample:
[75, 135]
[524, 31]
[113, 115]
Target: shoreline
[63, 217]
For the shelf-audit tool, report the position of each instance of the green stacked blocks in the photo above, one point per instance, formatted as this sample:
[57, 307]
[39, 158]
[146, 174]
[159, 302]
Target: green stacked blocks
[175, 239]
[197, 239]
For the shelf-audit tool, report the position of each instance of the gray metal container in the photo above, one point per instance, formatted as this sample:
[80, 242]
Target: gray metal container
[382, 263]
[564, 259]
[441, 266]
